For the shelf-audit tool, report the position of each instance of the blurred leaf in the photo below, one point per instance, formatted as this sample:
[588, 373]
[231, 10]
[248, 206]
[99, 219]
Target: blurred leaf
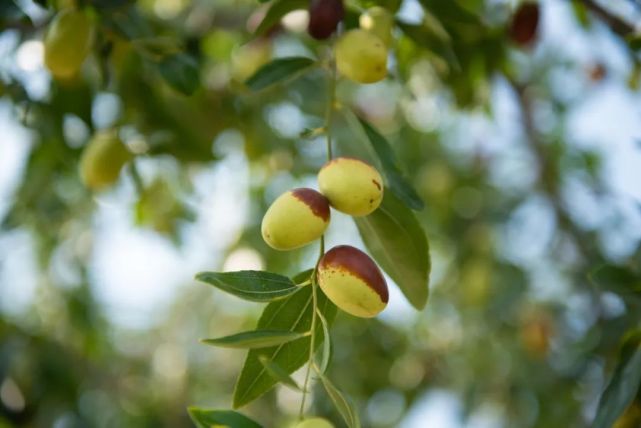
[255, 339]
[276, 11]
[277, 71]
[255, 286]
[449, 11]
[293, 314]
[398, 243]
[127, 22]
[398, 184]
[278, 373]
[616, 278]
[10, 14]
[340, 402]
[624, 384]
[208, 418]
[181, 72]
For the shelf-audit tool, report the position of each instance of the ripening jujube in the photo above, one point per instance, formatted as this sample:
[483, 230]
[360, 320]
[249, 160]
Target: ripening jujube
[295, 219]
[324, 17]
[525, 24]
[351, 186]
[102, 160]
[67, 43]
[352, 281]
[361, 56]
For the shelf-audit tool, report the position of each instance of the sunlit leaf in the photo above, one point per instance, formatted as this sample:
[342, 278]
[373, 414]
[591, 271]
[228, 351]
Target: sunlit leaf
[624, 384]
[277, 71]
[255, 286]
[293, 314]
[208, 418]
[255, 339]
[395, 238]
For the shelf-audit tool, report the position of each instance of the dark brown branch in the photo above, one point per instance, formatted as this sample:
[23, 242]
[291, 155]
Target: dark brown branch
[616, 23]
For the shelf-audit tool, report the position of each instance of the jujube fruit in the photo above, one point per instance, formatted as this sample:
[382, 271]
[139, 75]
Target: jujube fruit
[379, 21]
[361, 56]
[352, 281]
[315, 423]
[324, 16]
[295, 218]
[351, 186]
[525, 24]
[67, 43]
[102, 160]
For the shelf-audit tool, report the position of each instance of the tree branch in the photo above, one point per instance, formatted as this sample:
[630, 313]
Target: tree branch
[616, 23]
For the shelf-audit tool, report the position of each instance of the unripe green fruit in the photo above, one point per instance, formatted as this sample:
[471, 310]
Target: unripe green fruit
[352, 281]
[361, 56]
[315, 423]
[295, 218]
[379, 21]
[102, 160]
[351, 185]
[67, 43]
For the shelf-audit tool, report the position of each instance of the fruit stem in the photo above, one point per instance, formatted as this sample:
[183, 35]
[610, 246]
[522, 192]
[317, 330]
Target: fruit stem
[312, 340]
[330, 103]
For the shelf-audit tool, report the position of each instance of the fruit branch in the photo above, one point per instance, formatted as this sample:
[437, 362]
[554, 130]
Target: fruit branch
[328, 131]
[330, 104]
[616, 24]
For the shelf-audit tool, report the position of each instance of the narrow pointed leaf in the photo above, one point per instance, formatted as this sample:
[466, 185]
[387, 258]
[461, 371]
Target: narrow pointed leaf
[395, 179]
[278, 71]
[278, 373]
[327, 343]
[255, 339]
[293, 314]
[395, 238]
[277, 10]
[256, 286]
[208, 418]
[341, 403]
[624, 384]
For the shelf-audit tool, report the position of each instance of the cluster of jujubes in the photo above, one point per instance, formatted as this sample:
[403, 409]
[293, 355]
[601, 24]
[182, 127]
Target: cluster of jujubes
[348, 276]
[361, 54]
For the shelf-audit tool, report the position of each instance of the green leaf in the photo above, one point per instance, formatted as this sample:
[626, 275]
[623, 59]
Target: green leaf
[181, 72]
[327, 343]
[207, 418]
[255, 339]
[393, 235]
[619, 279]
[340, 402]
[277, 71]
[397, 183]
[276, 11]
[293, 314]
[255, 286]
[624, 384]
[278, 373]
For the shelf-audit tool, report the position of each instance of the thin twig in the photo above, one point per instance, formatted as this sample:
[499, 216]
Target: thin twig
[616, 23]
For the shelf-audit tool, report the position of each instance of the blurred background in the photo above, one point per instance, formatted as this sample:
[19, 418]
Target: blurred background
[525, 147]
